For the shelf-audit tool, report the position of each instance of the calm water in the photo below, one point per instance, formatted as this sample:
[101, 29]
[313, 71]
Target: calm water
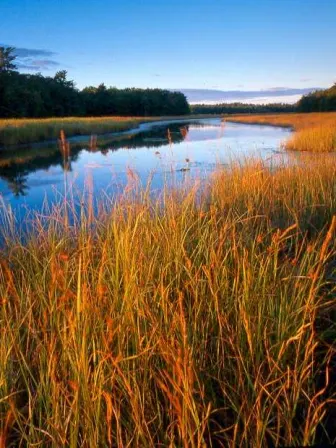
[164, 151]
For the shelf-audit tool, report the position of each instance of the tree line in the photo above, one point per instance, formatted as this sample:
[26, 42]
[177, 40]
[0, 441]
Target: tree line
[241, 108]
[37, 96]
[319, 101]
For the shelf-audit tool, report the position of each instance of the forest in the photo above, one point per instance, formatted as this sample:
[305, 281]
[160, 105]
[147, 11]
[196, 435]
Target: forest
[319, 101]
[38, 96]
[241, 108]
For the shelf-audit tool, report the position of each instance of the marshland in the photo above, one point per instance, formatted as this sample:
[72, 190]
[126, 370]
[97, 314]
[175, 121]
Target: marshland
[166, 152]
[167, 267]
[201, 315]
[15, 132]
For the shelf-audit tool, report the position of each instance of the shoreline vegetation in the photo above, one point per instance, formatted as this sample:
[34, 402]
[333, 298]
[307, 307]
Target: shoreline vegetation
[314, 132]
[15, 131]
[205, 318]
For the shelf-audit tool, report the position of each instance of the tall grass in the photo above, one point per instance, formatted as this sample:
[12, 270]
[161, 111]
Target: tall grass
[16, 131]
[31, 130]
[315, 132]
[200, 319]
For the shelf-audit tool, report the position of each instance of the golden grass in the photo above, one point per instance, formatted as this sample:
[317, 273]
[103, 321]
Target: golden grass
[29, 130]
[201, 319]
[16, 131]
[314, 132]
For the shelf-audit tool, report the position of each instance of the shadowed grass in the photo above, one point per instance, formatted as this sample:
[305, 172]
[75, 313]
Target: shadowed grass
[200, 319]
[315, 132]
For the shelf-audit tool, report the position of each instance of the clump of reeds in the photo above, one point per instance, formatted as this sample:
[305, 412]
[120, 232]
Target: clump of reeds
[315, 132]
[202, 318]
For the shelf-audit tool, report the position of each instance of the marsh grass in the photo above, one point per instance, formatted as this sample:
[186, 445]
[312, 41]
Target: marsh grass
[315, 132]
[20, 131]
[320, 138]
[31, 130]
[202, 318]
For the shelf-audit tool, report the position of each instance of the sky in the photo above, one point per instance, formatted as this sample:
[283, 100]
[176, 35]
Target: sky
[286, 47]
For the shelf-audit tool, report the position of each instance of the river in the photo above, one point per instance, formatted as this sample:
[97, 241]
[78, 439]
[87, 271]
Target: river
[163, 151]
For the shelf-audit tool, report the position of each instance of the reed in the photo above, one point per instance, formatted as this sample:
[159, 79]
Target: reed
[201, 318]
[315, 132]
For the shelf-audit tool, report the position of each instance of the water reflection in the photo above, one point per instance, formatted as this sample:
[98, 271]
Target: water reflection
[166, 153]
[17, 164]
[17, 183]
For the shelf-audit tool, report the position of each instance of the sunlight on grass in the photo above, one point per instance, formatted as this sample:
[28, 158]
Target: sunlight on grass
[202, 318]
[15, 131]
[30, 130]
[315, 132]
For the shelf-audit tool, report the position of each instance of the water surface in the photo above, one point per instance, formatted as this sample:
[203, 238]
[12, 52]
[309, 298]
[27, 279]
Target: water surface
[163, 151]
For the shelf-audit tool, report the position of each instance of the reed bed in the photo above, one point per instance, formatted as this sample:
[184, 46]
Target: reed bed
[315, 132]
[20, 131]
[29, 130]
[202, 318]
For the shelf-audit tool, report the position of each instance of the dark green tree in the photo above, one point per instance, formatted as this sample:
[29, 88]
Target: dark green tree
[319, 101]
[7, 57]
[61, 78]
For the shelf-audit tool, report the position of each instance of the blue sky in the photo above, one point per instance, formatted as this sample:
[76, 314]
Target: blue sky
[238, 45]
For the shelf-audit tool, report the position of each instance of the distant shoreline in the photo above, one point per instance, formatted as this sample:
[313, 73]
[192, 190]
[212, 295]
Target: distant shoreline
[22, 131]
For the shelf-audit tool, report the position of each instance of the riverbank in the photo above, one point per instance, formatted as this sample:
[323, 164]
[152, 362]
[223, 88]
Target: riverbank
[315, 132]
[23, 131]
[204, 319]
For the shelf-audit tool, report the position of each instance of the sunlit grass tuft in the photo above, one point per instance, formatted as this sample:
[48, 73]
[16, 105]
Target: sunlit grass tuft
[315, 139]
[202, 318]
